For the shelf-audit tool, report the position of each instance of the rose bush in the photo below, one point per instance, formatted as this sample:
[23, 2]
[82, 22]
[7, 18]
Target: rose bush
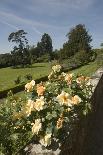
[50, 108]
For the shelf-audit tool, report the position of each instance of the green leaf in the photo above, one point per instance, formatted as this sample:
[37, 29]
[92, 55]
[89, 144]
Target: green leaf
[54, 114]
[49, 116]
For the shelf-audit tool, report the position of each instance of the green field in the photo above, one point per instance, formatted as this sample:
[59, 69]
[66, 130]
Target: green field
[8, 75]
[88, 69]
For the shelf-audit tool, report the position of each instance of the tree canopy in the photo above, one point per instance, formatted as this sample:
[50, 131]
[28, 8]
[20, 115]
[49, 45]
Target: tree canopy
[46, 43]
[79, 39]
[20, 50]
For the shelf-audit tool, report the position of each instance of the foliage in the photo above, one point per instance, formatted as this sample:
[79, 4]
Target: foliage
[46, 44]
[28, 76]
[12, 137]
[79, 59]
[99, 57]
[44, 48]
[20, 53]
[46, 112]
[44, 58]
[5, 60]
[18, 80]
[78, 40]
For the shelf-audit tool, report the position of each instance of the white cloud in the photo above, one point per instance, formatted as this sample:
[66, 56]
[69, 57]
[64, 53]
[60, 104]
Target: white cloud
[12, 18]
[9, 19]
[37, 31]
[10, 25]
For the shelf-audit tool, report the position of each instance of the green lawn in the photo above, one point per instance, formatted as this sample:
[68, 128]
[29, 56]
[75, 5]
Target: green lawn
[8, 75]
[88, 69]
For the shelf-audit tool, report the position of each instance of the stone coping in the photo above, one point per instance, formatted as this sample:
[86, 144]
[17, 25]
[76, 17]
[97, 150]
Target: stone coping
[96, 77]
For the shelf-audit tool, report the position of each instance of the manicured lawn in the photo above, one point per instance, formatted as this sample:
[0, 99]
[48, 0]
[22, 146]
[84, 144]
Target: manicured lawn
[8, 75]
[88, 69]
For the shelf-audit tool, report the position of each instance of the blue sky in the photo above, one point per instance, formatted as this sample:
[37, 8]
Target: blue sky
[55, 17]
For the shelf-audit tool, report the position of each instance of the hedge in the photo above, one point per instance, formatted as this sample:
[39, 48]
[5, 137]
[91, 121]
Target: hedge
[19, 88]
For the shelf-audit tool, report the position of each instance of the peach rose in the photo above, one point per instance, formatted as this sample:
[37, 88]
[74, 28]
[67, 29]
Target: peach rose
[40, 90]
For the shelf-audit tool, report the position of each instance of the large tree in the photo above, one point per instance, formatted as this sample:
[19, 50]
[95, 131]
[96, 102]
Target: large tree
[20, 51]
[78, 40]
[46, 43]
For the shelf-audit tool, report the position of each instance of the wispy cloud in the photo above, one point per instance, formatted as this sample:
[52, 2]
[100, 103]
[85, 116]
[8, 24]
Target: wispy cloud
[10, 25]
[12, 18]
[37, 31]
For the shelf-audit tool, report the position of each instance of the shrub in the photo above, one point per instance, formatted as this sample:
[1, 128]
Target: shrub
[12, 136]
[99, 58]
[79, 59]
[47, 113]
[18, 80]
[44, 58]
[28, 76]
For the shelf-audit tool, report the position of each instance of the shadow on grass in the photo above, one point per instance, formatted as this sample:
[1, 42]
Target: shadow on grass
[19, 67]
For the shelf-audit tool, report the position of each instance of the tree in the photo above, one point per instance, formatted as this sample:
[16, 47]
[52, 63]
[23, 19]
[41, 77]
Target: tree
[5, 60]
[46, 43]
[101, 45]
[20, 51]
[78, 39]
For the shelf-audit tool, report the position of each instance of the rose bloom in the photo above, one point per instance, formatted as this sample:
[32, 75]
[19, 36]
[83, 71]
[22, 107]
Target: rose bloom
[76, 99]
[40, 89]
[32, 83]
[46, 140]
[36, 126]
[59, 123]
[38, 105]
[56, 68]
[50, 75]
[28, 108]
[68, 78]
[29, 86]
[87, 78]
[80, 79]
[64, 99]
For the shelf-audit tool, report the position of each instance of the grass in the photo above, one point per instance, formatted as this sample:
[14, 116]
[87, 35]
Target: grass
[8, 75]
[39, 70]
[88, 69]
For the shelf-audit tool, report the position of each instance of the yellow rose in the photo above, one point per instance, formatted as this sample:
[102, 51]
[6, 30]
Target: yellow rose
[46, 140]
[59, 123]
[68, 78]
[64, 99]
[28, 108]
[38, 105]
[56, 68]
[29, 86]
[76, 99]
[36, 126]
